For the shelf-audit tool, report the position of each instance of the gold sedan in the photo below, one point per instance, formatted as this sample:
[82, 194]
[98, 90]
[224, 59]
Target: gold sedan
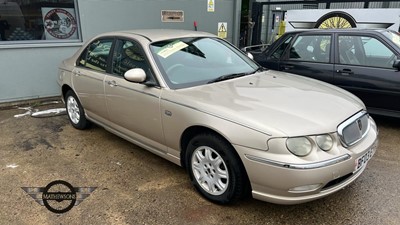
[237, 128]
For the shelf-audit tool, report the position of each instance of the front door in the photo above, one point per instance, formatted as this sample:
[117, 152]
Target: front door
[310, 55]
[133, 108]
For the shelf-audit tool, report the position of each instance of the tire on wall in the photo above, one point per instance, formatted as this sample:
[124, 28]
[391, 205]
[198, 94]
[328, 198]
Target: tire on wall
[75, 111]
[215, 170]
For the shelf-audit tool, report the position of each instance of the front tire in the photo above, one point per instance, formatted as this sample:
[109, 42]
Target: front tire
[75, 111]
[215, 170]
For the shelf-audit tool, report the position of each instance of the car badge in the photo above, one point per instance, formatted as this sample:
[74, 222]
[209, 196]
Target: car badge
[359, 123]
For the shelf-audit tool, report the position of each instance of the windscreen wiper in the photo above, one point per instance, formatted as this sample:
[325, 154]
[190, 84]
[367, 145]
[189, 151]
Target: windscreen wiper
[231, 76]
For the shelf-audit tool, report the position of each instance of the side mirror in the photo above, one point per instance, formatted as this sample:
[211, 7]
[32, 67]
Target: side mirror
[135, 75]
[250, 55]
[396, 64]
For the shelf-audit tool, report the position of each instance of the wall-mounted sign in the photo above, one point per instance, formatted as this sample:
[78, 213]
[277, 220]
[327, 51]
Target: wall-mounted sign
[172, 16]
[210, 5]
[343, 18]
[222, 30]
[59, 23]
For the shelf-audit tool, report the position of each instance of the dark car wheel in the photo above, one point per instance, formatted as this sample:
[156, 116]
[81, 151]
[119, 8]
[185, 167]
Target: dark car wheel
[215, 170]
[75, 112]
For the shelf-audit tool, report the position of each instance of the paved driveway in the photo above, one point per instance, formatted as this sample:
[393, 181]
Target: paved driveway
[136, 187]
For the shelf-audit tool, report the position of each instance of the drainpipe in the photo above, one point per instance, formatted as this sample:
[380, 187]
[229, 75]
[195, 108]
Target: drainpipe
[236, 22]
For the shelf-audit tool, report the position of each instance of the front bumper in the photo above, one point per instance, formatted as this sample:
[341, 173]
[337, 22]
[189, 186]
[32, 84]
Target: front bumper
[276, 181]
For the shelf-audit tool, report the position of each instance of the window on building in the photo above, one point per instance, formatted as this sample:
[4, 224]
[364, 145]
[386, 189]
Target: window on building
[38, 21]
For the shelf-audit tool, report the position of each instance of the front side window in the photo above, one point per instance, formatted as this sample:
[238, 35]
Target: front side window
[313, 48]
[128, 55]
[96, 55]
[38, 21]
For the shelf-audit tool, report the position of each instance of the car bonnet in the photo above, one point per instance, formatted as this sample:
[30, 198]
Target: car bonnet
[275, 102]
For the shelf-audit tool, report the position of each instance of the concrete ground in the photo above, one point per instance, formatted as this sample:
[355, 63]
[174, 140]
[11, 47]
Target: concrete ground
[137, 187]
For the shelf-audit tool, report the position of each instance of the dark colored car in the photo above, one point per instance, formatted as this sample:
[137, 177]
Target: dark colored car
[362, 61]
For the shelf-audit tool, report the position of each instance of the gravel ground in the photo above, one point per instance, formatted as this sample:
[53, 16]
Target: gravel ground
[137, 187]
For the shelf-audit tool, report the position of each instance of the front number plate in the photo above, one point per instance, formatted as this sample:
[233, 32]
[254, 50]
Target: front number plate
[362, 160]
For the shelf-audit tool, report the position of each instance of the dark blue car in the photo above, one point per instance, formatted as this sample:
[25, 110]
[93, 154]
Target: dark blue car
[362, 61]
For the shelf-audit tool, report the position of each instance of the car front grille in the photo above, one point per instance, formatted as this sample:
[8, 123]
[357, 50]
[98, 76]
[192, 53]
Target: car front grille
[354, 129]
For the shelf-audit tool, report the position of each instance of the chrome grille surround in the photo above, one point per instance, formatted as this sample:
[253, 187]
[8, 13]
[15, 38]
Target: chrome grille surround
[354, 129]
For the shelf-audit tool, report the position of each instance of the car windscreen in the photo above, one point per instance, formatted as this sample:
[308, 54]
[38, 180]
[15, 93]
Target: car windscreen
[393, 36]
[188, 62]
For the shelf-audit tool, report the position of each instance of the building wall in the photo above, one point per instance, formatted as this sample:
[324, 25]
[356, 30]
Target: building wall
[29, 71]
[268, 32]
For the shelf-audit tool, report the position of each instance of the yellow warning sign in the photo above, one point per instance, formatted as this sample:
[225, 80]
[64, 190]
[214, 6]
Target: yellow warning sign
[210, 5]
[222, 30]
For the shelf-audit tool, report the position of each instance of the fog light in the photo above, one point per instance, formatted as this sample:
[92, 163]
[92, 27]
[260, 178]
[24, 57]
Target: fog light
[305, 188]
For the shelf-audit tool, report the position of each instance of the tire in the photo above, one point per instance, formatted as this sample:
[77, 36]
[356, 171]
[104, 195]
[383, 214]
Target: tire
[215, 170]
[75, 111]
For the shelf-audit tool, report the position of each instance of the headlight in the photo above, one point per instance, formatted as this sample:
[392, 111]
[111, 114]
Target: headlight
[324, 142]
[299, 146]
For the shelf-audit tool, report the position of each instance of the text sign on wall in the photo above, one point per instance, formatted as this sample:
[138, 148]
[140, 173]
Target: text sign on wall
[210, 5]
[172, 16]
[222, 29]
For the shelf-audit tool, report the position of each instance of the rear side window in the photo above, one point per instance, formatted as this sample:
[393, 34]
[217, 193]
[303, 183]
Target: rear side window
[312, 48]
[95, 56]
[365, 51]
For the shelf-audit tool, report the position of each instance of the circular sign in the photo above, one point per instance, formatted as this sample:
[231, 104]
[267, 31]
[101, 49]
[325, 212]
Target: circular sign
[59, 196]
[60, 23]
[336, 19]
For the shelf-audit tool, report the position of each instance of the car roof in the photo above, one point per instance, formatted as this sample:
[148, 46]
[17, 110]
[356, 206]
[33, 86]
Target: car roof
[154, 35]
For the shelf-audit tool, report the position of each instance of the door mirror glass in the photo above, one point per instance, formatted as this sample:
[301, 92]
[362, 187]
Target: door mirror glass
[136, 75]
[396, 64]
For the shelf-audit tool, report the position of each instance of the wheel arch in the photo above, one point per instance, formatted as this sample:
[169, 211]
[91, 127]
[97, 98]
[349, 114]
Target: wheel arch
[192, 131]
[64, 89]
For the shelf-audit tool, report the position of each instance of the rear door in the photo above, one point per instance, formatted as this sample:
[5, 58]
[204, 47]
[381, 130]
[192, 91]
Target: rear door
[365, 67]
[310, 55]
[88, 77]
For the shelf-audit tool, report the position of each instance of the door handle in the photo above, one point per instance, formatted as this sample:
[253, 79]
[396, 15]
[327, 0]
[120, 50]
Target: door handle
[345, 71]
[286, 67]
[77, 73]
[112, 83]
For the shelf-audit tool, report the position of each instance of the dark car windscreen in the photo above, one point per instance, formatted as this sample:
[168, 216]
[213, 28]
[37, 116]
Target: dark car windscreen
[393, 36]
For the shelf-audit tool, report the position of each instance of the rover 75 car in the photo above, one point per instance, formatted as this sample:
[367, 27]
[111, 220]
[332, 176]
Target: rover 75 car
[198, 101]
